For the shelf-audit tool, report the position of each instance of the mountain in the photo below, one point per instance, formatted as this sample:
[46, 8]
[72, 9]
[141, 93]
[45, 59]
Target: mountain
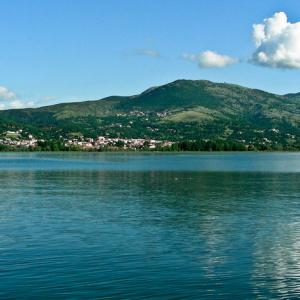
[180, 110]
[293, 95]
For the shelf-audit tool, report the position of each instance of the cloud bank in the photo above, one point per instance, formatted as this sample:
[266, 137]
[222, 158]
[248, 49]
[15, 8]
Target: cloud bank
[277, 42]
[211, 59]
[6, 94]
[9, 100]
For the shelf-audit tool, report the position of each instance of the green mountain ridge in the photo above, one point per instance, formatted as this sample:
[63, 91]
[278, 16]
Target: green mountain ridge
[180, 110]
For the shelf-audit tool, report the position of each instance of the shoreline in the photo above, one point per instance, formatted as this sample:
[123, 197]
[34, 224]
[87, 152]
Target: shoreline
[152, 152]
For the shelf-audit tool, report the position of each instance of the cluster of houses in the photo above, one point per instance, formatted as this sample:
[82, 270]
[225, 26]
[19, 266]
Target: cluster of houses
[125, 143]
[15, 139]
[26, 140]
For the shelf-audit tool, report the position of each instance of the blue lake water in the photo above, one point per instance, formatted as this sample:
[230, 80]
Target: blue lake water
[155, 226]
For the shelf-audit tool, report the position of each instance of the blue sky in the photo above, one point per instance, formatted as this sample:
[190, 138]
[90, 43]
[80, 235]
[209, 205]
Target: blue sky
[63, 50]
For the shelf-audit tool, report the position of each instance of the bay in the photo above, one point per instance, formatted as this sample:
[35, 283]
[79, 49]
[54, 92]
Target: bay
[155, 226]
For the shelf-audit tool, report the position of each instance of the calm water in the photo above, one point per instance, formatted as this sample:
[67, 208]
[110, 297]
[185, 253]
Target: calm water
[132, 226]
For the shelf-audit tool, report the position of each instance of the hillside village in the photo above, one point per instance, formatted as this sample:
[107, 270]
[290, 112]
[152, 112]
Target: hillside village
[20, 139]
[181, 112]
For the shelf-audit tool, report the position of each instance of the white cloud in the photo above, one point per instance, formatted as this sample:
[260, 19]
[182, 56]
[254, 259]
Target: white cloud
[211, 59]
[30, 104]
[9, 100]
[16, 104]
[148, 52]
[6, 94]
[277, 42]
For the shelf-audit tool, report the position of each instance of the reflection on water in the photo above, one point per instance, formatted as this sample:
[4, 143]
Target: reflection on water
[212, 162]
[168, 234]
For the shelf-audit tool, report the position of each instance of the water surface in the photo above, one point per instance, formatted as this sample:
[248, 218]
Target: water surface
[155, 226]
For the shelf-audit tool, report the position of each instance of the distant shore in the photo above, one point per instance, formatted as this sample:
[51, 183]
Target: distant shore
[149, 151]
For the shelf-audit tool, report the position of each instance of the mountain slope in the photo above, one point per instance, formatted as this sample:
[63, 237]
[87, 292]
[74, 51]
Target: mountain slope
[183, 109]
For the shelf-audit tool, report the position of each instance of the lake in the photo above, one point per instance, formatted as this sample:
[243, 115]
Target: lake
[155, 226]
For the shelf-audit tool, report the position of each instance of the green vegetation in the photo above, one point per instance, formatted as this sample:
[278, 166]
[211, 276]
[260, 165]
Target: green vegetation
[183, 111]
